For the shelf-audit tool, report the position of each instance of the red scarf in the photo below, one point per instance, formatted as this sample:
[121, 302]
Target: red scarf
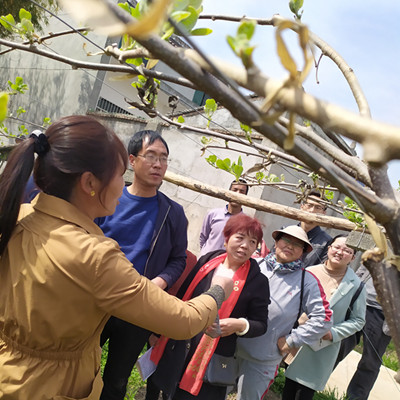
[192, 378]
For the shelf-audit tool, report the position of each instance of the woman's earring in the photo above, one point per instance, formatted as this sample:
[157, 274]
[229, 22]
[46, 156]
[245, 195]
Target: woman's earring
[92, 193]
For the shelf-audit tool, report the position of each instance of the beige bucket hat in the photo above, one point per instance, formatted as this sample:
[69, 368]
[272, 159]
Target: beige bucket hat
[296, 231]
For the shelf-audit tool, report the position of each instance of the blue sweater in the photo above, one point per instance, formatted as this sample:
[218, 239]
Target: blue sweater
[166, 253]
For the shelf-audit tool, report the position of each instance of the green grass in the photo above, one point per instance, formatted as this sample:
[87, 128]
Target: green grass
[390, 360]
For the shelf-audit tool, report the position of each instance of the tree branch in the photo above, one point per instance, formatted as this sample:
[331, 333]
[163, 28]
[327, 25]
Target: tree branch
[121, 56]
[381, 141]
[76, 64]
[355, 165]
[325, 49]
[261, 205]
[232, 138]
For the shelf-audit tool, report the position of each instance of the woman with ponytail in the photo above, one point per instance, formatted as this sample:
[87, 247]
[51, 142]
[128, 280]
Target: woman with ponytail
[61, 278]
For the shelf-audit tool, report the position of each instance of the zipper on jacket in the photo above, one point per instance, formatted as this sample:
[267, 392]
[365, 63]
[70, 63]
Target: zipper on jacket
[155, 240]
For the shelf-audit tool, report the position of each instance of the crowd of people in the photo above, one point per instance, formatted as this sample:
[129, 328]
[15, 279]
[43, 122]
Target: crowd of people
[86, 260]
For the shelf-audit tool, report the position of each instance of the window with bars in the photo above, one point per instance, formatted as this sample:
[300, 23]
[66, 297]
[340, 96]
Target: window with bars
[108, 107]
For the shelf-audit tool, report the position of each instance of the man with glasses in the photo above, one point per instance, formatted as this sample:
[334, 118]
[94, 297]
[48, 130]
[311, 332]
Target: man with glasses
[317, 237]
[211, 235]
[151, 230]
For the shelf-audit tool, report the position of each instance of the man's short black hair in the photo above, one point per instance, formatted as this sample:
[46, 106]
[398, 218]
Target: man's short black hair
[315, 193]
[240, 181]
[136, 142]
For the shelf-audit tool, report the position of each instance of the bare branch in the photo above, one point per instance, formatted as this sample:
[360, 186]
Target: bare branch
[120, 55]
[41, 39]
[232, 138]
[76, 64]
[261, 205]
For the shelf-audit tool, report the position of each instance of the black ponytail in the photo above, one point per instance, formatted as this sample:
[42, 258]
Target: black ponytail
[12, 187]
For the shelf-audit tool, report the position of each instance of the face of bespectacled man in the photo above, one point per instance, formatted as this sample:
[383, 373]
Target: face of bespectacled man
[150, 164]
[312, 205]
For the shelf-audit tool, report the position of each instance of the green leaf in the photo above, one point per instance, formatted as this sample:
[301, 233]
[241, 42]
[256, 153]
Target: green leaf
[245, 128]
[3, 105]
[46, 121]
[224, 164]
[295, 6]
[232, 43]
[27, 25]
[206, 140]
[178, 16]
[191, 20]
[201, 32]
[8, 22]
[135, 61]
[181, 120]
[240, 161]
[212, 159]
[168, 33]
[133, 11]
[237, 171]
[125, 6]
[259, 176]
[247, 28]
[328, 194]
[23, 14]
[20, 111]
[240, 44]
[210, 106]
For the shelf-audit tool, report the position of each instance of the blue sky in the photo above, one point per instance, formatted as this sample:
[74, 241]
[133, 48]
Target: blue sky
[364, 33]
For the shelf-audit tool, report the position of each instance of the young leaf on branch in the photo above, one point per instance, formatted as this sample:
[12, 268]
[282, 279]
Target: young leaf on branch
[295, 6]
[209, 109]
[240, 43]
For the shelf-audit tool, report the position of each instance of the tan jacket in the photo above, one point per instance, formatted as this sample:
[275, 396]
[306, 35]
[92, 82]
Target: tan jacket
[60, 280]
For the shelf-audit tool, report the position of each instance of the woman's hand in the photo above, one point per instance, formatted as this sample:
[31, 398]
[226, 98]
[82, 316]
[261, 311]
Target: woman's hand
[328, 336]
[230, 326]
[153, 339]
[283, 346]
[226, 282]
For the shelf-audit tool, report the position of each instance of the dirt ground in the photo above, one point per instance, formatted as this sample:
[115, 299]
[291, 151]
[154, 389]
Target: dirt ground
[140, 395]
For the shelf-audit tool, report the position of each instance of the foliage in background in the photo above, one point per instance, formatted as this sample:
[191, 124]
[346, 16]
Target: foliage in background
[17, 88]
[226, 164]
[39, 17]
[353, 216]
[184, 12]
